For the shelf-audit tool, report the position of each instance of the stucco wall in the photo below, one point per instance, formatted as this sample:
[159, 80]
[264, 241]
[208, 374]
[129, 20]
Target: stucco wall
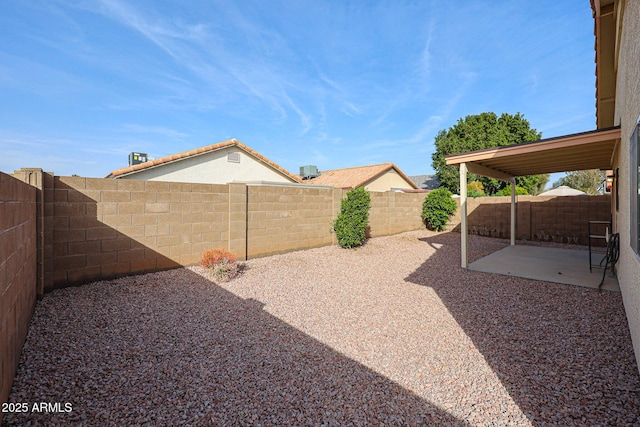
[626, 115]
[212, 168]
[390, 179]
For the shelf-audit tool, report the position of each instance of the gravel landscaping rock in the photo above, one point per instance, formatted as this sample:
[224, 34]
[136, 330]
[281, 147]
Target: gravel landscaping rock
[392, 333]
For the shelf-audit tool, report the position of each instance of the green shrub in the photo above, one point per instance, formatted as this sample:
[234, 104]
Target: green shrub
[437, 208]
[506, 191]
[475, 189]
[353, 219]
[473, 193]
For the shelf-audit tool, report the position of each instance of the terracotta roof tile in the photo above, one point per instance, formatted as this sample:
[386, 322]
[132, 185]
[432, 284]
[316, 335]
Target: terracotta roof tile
[197, 151]
[357, 176]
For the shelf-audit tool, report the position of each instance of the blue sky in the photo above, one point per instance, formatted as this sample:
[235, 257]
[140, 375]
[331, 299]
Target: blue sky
[328, 83]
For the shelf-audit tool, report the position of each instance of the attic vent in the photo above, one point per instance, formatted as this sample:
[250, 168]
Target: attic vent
[233, 157]
[309, 172]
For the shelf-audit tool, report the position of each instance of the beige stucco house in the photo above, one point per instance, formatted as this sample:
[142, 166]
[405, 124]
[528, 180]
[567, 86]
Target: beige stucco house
[613, 146]
[382, 177]
[220, 163]
[617, 30]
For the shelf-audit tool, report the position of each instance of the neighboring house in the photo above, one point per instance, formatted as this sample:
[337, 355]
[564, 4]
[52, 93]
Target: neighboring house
[426, 182]
[614, 145]
[219, 163]
[563, 190]
[383, 177]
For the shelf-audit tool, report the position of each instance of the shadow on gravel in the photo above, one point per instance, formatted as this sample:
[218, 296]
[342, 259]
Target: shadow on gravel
[563, 353]
[174, 349]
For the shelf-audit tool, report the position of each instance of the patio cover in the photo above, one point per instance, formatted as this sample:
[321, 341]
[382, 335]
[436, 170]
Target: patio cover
[580, 151]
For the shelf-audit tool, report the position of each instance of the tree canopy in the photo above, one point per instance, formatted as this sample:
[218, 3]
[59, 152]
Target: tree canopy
[477, 132]
[589, 181]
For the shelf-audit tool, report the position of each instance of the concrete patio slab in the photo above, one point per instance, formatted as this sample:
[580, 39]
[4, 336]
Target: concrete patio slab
[566, 266]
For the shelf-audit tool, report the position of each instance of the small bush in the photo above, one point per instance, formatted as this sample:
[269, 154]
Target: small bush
[437, 208]
[473, 193]
[475, 189]
[353, 219]
[221, 264]
[506, 191]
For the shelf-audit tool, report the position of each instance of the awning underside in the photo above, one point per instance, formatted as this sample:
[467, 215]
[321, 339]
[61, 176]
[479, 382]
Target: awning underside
[587, 150]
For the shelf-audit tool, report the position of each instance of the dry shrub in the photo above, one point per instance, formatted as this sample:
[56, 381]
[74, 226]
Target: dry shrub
[221, 264]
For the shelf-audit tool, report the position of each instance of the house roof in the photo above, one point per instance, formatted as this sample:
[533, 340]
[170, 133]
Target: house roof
[563, 190]
[358, 176]
[426, 182]
[580, 151]
[606, 49]
[199, 151]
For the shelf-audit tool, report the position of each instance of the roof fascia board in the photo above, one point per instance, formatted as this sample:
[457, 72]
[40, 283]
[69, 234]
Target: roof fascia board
[369, 180]
[535, 146]
[405, 177]
[270, 166]
[385, 170]
[168, 162]
[201, 151]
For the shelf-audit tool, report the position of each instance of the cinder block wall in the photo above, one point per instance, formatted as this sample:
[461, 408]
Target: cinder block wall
[407, 213]
[566, 218]
[18, 267]
[283, 219]
[104, 228]
[393, 213]
[559, 219]
[379, 218]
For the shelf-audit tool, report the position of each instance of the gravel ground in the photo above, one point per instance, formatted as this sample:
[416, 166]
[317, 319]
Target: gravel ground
[393, 333]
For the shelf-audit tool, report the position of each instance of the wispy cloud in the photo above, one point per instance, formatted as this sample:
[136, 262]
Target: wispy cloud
[31, 150]
[569, 123]
[158, 130]
[221, 71]
[426, 59]
[333, 83]
[340, 94]
[428, 128]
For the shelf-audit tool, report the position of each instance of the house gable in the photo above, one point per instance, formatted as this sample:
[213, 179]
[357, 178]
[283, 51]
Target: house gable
[387, 180]
[380, 177]
[215, 164]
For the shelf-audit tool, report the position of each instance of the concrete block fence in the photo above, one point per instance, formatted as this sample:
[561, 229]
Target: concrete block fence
[547, 219]
[18, 270]
[64, 231]
[95, 228]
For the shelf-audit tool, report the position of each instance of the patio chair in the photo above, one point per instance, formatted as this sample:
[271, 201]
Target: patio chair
[611, 257]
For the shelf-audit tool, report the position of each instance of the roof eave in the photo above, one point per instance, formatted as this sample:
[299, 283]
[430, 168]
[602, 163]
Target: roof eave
[586, 150]
[388, 167]
[606, 14]
[152, 164]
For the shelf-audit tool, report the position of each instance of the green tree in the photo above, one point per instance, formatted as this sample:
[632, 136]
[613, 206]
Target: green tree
[477, 132]
[475, 189]
[506, 191]
[589, 181]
